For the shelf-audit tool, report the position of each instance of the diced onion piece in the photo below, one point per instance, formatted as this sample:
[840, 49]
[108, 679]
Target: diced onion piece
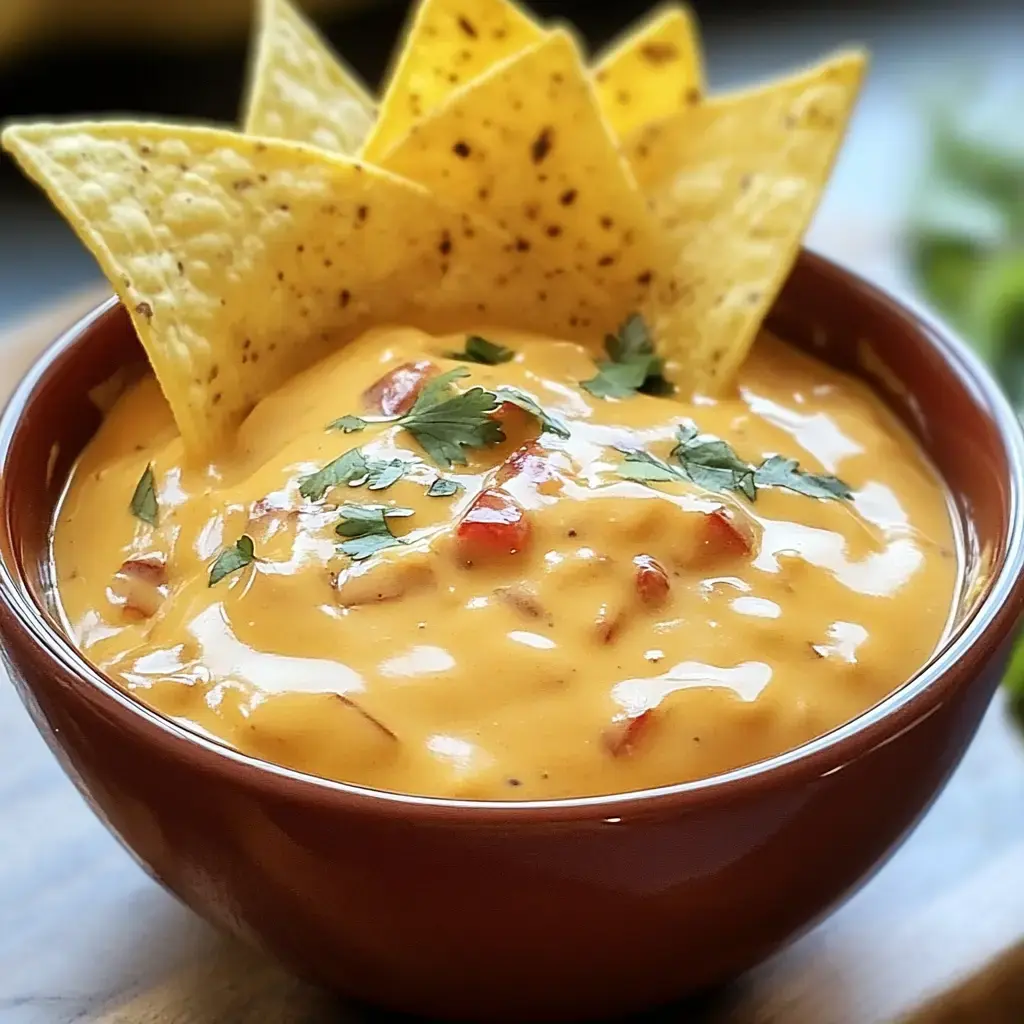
[138, 587]
[530, 462]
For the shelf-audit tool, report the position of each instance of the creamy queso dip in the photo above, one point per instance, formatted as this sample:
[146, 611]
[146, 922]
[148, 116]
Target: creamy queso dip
[565, 632]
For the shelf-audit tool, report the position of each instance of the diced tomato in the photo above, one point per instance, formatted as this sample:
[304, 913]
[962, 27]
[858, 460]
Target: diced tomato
[530, 462]
[396, 392]
[494, 525]
[652, 583]
[622, 736]
[725, 535]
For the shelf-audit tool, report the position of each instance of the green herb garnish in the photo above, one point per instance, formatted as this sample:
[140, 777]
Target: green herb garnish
[381, 474]
[712, 464]
[780, 472]
[345, 469]
[349, 424]
[442, 487]
[143, 504]
[445, 424]
[367, 528]
[231, 559]
[632, 366]
[526, 402]
[645, 468]
[480, 350]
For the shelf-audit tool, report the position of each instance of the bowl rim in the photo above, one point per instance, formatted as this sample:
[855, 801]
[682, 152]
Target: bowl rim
[915, 699]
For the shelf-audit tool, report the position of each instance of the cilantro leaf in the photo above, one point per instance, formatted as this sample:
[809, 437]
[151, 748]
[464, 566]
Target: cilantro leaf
[438, 388]
[442, 487]
[349, 424]
[144, 504]
[231, 559]
[345, 469]
[367, 528]
[381, 474]
[645, 468]
[480, 350]
[781, 472]
[550, 424]
[446, 423]
[633, 364]
[713, 464]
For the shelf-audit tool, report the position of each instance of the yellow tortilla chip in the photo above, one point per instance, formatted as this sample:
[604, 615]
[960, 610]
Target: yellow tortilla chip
[735, 182]
[653, 71]
[299, 89]
[526, 146]
[241, 261]
[447, 43]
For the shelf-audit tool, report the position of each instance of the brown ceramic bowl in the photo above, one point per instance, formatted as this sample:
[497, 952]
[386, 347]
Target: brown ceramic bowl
[549, 910]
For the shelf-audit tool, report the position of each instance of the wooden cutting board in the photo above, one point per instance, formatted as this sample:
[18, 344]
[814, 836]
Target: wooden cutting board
[937, 936]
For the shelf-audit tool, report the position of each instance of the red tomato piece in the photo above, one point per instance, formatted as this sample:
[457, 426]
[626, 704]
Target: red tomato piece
[494, 525]
[621, 737]
[396, 392]
[724, 535]
[652, 583]
[530, 462]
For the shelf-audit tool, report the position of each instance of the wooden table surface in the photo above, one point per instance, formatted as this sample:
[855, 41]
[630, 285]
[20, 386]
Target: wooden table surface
[86, 936]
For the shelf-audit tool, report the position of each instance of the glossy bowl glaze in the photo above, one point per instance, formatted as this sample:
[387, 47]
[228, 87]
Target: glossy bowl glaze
[550, 910]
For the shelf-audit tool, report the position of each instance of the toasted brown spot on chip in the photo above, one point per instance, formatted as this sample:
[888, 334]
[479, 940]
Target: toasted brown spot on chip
[461, 149]
[541, 146]
[522, 245]
[659, 52]
[553, 230]
[467, 26]
[606, 261]
[144, 309]
[344, 297]
[241, 184]
[568, 197]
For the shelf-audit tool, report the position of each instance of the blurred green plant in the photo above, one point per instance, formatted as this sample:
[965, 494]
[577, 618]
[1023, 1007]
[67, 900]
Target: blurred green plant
[966, 248]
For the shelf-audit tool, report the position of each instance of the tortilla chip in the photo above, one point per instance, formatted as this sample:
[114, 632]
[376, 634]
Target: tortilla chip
[241, 261]
[735, 182]
[447, 43]
[653, 71]
[526, 145]
[299, 89]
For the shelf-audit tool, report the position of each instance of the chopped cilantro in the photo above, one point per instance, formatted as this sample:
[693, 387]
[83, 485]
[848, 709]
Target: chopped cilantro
[529, 404]
[480, 350]
[231, 559]
[780, 472]
[442, 487]
[144, 504]
[349, 424]
[381, 474]
[345, 469]
[445, 423]
[712, 464]
[367, 530]
[633, 364]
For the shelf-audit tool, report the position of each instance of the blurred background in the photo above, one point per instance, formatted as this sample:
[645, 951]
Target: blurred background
[928, 195]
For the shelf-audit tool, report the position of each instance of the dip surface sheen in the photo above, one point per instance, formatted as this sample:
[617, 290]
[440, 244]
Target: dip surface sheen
[525, 676]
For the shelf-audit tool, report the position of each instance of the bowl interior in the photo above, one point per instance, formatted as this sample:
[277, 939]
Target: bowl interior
[933, 384]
